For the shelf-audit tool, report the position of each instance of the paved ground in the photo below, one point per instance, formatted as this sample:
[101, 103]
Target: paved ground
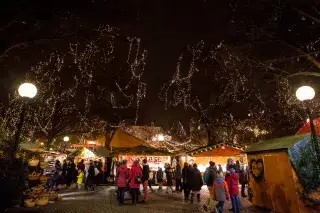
[104, 200]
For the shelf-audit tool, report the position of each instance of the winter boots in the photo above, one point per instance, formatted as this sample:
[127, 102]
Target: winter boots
[192, 197]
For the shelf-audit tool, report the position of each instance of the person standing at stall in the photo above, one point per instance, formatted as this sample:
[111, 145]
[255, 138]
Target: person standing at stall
[145, 180]
[196, 183]
[122, 181]
[160, 178]
[135, 176]
[169, 176]
[186, 174]
[178, 174]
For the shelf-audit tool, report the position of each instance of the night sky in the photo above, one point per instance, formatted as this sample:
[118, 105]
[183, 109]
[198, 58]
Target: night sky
[166, 27]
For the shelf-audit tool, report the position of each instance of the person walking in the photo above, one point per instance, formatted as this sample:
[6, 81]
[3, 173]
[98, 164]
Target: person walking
[196, 183]
[220, 168]
[186, 174]
[178, 175]
[243, 179]
[220, 192]
[71, 168]
[80, 178]
[210, 175]
[122, 181]
[91, 175]
[135, 176]
[169, 176]
[233, 181]
[145, 180]
[160, 178]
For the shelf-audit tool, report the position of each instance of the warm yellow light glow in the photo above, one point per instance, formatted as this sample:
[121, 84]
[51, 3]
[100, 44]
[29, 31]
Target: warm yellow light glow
[27, 90]
[160, 137]
[41, 143]
[305, 93]
[66, 139]
[91, 142]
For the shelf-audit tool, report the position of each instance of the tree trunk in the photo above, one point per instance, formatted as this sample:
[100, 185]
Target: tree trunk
[49, 142]
[109, 133]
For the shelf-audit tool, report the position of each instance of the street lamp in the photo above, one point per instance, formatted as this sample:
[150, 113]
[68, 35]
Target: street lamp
[306, 94]
[160, 137]
[66, 139]
[27, 91]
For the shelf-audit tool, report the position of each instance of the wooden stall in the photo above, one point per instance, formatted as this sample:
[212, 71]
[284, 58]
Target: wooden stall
[218, 153]
[282, 176]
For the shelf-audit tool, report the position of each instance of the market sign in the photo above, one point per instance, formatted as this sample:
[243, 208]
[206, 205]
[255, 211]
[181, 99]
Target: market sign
[153, 161]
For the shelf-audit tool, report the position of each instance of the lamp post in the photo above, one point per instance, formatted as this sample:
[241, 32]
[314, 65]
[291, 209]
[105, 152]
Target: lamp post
[27, 91]
[66, 138]
[306, 94]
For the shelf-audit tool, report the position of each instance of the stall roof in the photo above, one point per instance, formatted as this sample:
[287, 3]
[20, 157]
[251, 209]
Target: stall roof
[101, 151]
[221, 149]
[122, 139]
[141, 150]
[275, 144]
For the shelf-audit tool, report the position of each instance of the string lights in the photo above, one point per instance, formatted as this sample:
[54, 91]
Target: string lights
[215, 81]
[70, 82]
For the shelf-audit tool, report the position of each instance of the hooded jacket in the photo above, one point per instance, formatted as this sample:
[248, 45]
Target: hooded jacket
[233, 181]
[220, 189]
[134, 171]
[122, 176]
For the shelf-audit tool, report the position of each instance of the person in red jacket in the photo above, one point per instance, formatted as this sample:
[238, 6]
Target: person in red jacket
[135, 181]
[233, 181]
[122, 181]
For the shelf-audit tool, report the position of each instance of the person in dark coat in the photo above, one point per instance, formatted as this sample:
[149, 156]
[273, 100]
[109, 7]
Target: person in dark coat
[244, 177]
[91, 175]
[160, 178]
[64, 168]
[71, 168]
[80, 165]
[145, 179]
[196, 183]
[178, 175]
[169, 176]
[186, 178]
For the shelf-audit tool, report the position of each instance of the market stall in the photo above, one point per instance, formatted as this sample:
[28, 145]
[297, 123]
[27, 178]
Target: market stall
[94, 154]
[283, 177]
[218, 153]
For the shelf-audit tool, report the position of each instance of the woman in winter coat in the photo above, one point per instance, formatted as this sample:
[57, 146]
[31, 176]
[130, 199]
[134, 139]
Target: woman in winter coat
[135, 176]
[233, 181]
[169, 176]
[122, 181]
[196, 183]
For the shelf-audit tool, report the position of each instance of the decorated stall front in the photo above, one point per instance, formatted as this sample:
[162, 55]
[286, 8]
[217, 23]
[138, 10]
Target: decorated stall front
[156, 158]
[218, 153]
[94, 154]
[283, 175]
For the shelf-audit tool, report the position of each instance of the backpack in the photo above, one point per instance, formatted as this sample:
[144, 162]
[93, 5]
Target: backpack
[206, 176]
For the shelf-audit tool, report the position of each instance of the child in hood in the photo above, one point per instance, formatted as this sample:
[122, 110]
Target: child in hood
[233, 181]
[80, 178]
[220, 191]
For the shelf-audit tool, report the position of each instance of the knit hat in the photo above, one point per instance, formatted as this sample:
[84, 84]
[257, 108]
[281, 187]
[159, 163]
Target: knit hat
[220, 175]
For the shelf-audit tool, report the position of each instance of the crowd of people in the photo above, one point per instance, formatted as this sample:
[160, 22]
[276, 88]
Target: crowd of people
[222, 186]
[189, 180]
[86, 176]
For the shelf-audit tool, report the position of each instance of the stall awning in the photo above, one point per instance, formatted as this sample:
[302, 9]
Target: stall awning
[101, 151]
[122, 139]
[222, 149]
[275, 144]
[141, 150]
